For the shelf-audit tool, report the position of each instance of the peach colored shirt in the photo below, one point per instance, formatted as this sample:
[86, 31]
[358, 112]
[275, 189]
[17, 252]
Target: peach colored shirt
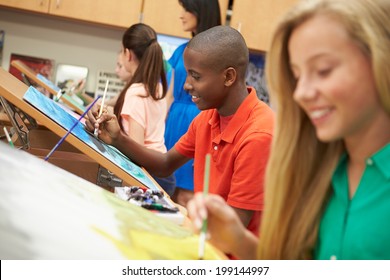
[148, 113]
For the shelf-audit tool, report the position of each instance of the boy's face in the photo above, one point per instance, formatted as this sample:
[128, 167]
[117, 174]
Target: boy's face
[205, 84]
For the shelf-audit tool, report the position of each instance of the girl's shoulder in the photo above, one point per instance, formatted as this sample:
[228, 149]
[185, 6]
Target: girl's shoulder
[137, 89]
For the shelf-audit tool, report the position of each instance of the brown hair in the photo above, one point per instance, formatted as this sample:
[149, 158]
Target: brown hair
[142, 40]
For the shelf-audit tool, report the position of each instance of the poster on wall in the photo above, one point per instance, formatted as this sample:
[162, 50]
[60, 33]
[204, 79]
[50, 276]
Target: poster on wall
[2, 35]
[115, 85]
[42, 66]
[255, 76]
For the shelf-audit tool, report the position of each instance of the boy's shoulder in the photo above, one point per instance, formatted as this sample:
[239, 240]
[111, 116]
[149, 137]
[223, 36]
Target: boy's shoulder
[263, 118]
[206, 115]
[263, 109]
[260, 116]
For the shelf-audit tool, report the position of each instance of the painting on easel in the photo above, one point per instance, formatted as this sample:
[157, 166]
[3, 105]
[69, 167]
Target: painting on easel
[55, 112]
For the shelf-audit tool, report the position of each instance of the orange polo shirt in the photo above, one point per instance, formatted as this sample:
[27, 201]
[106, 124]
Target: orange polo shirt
[239, 154]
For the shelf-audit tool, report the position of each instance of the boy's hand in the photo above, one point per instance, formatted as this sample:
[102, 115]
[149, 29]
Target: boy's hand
[91, 117]
[107, 125]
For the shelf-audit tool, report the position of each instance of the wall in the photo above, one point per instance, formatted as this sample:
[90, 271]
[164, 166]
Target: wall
[85, 45]
[64, 41]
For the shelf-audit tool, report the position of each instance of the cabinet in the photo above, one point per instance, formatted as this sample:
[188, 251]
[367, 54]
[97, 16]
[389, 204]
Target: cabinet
[163, 16]
[256, 20]
[119, 13]
[41, 6]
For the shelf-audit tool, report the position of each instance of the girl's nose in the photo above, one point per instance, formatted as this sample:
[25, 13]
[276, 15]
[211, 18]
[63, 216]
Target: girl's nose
[304, 90]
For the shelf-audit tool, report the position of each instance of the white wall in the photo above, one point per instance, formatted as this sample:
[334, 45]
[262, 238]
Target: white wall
[64, 41]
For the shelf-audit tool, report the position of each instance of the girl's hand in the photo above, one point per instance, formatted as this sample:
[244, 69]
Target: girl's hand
[225, 229]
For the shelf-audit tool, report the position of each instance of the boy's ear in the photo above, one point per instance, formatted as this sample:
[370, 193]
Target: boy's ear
[230, 76]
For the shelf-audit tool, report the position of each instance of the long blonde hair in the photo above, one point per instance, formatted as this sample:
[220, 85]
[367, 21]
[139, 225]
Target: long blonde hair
[300, 168]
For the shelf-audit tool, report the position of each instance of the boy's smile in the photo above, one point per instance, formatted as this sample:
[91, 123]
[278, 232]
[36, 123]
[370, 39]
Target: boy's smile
[204, 83]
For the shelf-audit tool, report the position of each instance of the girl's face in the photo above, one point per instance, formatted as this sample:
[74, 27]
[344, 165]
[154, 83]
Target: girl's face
[335, 82]
[189, 21]
[120, 69]
[130, 61]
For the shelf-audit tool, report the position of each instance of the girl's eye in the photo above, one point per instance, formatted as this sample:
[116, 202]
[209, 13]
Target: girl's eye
[324, 72]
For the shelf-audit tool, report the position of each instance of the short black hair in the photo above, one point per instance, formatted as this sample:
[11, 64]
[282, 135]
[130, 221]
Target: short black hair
[224, 47]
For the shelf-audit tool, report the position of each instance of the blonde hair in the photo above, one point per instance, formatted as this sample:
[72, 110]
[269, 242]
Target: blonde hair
[300, 168]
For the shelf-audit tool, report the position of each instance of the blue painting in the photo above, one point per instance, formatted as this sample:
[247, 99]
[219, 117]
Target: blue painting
[255, 76]
[56, 113]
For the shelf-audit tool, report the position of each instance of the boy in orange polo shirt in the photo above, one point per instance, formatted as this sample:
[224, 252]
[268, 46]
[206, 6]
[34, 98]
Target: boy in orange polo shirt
[235, 127]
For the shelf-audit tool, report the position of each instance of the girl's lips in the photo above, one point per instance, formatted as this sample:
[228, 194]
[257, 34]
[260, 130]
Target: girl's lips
[319, 115]
[315, 114]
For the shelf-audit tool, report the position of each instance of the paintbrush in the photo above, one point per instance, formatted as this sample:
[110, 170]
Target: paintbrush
[101, 108]
[70, 130]
[8, 137]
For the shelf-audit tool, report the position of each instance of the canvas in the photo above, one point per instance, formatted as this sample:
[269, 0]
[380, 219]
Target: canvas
[49, 213]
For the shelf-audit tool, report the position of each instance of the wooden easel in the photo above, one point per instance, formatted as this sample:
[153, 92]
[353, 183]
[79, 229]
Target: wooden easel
[32, 136]
[13, 91]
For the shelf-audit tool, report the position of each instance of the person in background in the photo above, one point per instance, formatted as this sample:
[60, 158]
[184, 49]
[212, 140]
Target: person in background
[122, 74]
[197, 16]
[141, 106]
[328, 178]
[120, 69]
[233, 126]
